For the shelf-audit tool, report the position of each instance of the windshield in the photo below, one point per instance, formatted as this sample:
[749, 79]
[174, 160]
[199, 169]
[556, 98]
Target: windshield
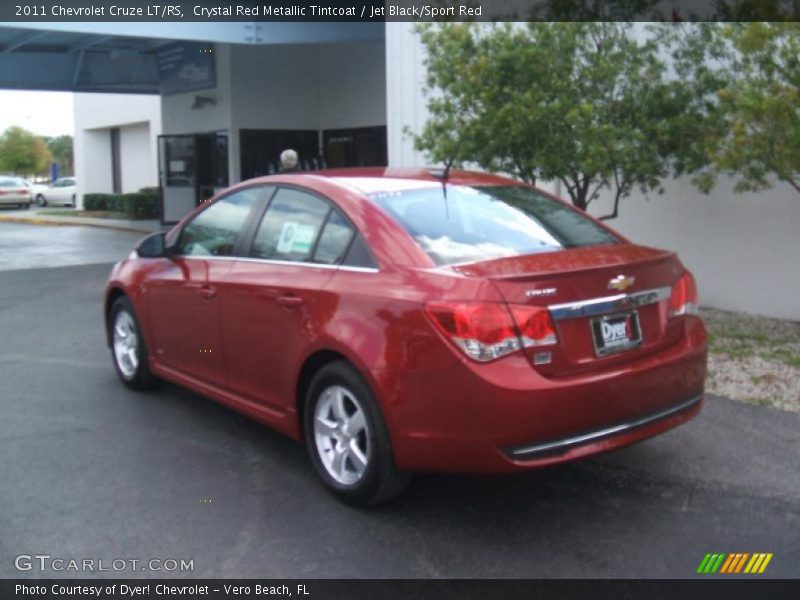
[471, 224]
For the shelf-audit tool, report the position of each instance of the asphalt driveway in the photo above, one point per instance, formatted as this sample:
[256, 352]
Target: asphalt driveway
[90, 469]
[36, 246]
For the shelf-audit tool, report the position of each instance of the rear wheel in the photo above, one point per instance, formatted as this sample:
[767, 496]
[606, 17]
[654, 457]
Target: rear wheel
[348, 440]
[128, 347]
[72, 202]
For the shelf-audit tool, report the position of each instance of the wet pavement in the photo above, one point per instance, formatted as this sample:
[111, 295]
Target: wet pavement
[47, 246]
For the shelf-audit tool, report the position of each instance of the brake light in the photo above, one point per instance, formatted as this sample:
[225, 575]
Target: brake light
[535, 325]
[485, 331]
[683, 298]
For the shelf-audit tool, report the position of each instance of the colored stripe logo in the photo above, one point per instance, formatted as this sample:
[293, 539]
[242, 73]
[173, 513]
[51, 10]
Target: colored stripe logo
[737, 562]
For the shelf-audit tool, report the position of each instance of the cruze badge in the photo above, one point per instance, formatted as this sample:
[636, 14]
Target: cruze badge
[551, 291]
[621, 282]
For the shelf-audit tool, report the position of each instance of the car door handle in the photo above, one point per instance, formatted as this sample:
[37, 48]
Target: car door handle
[290, 301]
[208, 292]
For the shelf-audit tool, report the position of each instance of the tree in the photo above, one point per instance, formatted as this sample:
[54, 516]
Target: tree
[747, 83]
[61, 149]
[22, 152]
[583, 103]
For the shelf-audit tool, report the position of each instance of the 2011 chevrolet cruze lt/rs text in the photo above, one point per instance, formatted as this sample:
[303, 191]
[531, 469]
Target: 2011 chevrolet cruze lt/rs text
[402, 321]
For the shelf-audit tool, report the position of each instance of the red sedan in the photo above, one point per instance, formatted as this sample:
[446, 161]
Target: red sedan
[402, 321]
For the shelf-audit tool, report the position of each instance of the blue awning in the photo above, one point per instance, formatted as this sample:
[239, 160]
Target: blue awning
[121, 57]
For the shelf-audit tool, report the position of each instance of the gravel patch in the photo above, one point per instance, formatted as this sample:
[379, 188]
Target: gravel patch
[753, 359]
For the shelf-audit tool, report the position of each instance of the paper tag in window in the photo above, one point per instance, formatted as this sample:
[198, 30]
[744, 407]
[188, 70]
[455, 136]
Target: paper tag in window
[296, 238]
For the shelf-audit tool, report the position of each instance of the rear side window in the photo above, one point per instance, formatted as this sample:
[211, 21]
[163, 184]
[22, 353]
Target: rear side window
[337, 234]
[471, 224]
[290, 226]
[214, 231]
[359, 255]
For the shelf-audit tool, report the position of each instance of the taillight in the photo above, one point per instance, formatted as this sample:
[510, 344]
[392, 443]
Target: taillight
[535, 325]
[683, 298]
[486, 331]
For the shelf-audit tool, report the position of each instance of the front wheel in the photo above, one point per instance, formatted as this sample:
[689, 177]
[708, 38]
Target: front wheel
[40, 200]
[128, 347]
[72, 201]
[348, 440]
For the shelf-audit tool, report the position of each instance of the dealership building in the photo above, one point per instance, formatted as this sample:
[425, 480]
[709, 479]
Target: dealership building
[195, 107]
[225, 99]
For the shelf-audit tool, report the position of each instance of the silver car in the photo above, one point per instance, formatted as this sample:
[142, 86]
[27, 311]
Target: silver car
[13, 191]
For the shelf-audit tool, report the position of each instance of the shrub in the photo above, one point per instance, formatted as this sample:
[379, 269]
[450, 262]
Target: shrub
[96, 201]
[137, 205]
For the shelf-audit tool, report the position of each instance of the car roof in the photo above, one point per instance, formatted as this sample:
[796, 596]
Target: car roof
[369, 180]
[390, 179]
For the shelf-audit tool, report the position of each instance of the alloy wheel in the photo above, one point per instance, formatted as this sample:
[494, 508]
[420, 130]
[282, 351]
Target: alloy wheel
[126, 344]
[341, 433]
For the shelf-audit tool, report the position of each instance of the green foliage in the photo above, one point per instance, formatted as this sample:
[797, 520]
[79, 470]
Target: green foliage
[61, 149]
[137, 205]
[584, 103]
[22, 152]
[757, 10]
[746, 79]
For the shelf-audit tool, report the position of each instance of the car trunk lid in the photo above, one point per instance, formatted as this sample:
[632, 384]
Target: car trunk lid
[609, 303]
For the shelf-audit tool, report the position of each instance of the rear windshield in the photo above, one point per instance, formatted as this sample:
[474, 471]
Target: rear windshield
[471, 224]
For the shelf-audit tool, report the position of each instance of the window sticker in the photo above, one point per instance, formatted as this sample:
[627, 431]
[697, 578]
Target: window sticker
[296, 238]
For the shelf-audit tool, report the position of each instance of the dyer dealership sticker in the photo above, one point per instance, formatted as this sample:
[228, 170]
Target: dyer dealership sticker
[296, 238]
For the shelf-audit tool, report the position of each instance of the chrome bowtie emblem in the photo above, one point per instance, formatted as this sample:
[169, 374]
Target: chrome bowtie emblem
[621, 282]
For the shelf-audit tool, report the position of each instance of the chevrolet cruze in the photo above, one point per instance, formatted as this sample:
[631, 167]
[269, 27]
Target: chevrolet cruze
[412, 320]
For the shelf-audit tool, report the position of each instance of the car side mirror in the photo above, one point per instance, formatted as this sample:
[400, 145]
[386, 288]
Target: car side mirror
[154, 246]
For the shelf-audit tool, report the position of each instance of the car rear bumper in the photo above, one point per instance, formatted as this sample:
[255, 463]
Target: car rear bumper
[505, 417]
[540, 451]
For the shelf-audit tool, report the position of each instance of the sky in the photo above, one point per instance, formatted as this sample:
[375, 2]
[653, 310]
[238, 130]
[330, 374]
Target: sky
[43, 113]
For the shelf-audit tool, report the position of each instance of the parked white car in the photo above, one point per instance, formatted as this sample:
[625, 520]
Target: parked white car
[14, 191]
[35, 188]
[61, 192]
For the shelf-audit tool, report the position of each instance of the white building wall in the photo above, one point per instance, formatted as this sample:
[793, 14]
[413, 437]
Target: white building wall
[405, 103]
[352, 85]
[744, 249]
[92, 162]
[137, 159]
[139, 119]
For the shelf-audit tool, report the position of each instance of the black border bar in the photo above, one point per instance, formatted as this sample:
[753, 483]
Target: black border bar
[211, 11]
[730, 588]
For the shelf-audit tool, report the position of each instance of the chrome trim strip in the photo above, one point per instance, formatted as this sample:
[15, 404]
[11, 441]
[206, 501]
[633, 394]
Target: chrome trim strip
[283, 262]
[561, 446]
[607, 304]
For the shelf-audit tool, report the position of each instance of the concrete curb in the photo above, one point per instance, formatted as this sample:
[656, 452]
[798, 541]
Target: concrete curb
[62, 223]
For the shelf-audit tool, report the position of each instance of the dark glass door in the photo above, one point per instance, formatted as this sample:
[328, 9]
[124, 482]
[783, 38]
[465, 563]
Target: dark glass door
[192, 167]
[261, 150]
[358, 147]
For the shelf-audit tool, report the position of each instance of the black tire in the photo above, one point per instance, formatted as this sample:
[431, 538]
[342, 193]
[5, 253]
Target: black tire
[26, 206]
[72, 202]
[141, 378]
[381, 480]
[40, 200]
